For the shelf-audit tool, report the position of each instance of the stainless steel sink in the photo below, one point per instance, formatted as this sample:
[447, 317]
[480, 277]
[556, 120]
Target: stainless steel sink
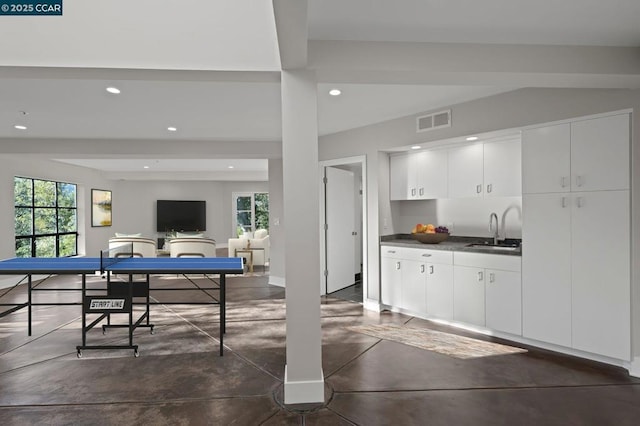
[492, 247]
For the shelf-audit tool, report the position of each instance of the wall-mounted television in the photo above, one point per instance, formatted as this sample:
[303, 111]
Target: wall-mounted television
[180, 215]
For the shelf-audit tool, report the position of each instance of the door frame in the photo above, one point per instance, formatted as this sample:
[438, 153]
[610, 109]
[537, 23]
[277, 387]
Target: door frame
[362, 161]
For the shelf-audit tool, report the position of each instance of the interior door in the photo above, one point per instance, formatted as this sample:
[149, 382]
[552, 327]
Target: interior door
[339, 234]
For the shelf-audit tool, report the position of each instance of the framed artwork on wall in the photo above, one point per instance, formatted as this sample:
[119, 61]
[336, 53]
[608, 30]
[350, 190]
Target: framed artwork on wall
[100, 207]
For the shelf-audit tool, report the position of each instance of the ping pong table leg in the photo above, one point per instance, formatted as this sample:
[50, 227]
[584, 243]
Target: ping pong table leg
[223, 311]
[130, 309]
[84, 311]
[29, 304]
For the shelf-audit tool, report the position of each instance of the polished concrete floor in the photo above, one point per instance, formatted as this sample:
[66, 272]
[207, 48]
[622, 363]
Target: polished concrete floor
[179, 379]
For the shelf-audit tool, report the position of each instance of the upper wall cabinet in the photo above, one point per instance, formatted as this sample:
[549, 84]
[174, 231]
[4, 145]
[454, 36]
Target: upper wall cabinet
[586, 155]
[492, 169]
[419, 176]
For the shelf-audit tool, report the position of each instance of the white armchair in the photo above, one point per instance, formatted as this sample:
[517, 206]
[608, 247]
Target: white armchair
[192, 247]
[142, 247]
[260, 241]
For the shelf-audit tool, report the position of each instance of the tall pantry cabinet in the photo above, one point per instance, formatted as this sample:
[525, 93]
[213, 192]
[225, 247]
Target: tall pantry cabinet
[576, 235]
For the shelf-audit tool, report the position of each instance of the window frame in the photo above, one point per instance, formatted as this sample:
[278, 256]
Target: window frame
[32, 207]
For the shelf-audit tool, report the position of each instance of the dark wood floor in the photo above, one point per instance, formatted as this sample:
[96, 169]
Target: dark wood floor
[180, 379]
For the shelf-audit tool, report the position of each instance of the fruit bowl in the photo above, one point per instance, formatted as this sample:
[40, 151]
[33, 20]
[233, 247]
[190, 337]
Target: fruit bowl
[430, 238]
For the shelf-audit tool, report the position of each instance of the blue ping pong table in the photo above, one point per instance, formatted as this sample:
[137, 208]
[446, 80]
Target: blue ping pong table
[119, 300]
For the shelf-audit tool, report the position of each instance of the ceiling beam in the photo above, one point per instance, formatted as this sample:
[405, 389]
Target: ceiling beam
[139, 74]
[292, 30]
[475, 64]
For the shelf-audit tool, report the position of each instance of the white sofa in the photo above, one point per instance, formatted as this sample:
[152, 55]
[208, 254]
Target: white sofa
[259, 241]
[192, 247]
[142, 247]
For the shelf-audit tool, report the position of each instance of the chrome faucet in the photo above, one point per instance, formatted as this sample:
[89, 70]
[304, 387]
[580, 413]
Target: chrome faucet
[504, 216]
[492, 229]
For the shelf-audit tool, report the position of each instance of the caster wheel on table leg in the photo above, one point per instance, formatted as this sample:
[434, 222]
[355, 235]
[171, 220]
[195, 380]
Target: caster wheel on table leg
[136, 353]
[152, 331]
[79, 354]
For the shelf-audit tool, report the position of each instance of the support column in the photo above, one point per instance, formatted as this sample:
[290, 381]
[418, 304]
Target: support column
[304, 379]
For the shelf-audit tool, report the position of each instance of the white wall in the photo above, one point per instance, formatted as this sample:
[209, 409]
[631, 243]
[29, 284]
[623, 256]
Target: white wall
[134, 204]
[276, 224]
[463, 216]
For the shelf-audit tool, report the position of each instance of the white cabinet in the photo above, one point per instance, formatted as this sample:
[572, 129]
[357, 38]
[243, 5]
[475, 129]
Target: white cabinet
[503, 168]
[600, 271]
[586, 155]
[492, 169]
[391, 276]
[414, 286]
[576, 235]
[600, 153]
[487, 291]
[546, 268]
[409, 277]
[418, 176]
[440, 290]
[503, 301]
[546, 159]
[399, 177]
[468, 295]
[466, 171]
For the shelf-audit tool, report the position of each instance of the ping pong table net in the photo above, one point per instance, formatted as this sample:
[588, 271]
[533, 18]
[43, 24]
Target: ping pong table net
[114, 255]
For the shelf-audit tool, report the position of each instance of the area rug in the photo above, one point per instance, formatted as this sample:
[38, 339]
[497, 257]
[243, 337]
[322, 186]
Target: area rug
[444, 343]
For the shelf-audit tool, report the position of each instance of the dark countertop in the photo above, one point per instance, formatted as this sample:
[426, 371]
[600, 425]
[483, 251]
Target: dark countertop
[453, 243]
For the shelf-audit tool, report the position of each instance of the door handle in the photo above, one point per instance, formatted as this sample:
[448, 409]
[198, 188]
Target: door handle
[564, 202]
[480, 276]
[563, 182]
[580, 202]
[579, 180]
[492, 277]
[413, 192]
[397, 265]
[426, 255]
[421, 191]
[478, 189]
[431, 269]
[422, 269]
[489, 188]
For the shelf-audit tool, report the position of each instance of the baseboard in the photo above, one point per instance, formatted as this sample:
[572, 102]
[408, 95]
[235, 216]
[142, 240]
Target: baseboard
[277, 281]
[372, 305]
[303, 392]
[634, 367]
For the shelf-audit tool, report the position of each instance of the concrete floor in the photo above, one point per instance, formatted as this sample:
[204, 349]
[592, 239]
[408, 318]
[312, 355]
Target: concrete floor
[180, 379]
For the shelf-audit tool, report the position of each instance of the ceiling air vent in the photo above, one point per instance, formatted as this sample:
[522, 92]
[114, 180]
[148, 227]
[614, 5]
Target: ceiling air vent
[433, 121]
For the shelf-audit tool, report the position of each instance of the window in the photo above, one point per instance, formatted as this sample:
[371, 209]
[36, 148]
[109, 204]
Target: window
[46, 214]
[251, 211]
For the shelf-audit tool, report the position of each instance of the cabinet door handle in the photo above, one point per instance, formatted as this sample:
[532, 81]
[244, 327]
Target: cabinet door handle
[422, 269]
[563, 182]
[397, 265]
[426, 255]
[413, 192]
[478, 189]
[489, 188]
[564, 202]
[480, 276]
[580, 202]
[421, 191]
[431, 269]
[391, 251]
[492, 277]
[579, 180]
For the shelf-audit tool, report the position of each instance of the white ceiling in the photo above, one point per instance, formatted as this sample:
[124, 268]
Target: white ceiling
[240, 35]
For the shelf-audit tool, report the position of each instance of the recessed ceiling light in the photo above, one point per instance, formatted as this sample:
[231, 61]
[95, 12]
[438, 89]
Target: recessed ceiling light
[472, 138]
[113, 90]
[416, 147]
[172, 129]
[145, 167]
[335, 92]
[230, 167]
[19, 127]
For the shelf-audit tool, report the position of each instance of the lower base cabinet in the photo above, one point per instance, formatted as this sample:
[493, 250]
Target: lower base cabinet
[488, 291]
